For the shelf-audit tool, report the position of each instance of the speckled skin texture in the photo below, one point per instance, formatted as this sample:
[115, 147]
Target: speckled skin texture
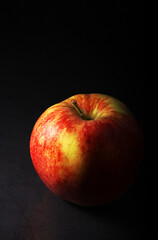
[87, 162]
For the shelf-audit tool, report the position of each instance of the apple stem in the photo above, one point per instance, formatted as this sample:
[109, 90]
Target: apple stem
[74, 103]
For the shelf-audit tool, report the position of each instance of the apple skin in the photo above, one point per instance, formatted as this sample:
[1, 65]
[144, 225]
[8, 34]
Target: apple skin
[87, 162]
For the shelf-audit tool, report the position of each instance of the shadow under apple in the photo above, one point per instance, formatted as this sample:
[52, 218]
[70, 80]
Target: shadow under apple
[124, 218]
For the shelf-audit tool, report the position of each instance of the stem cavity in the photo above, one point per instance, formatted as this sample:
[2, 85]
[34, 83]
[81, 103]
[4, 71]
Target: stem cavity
[74, 103]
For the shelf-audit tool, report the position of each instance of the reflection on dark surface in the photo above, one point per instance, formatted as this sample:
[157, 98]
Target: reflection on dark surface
[54, 218]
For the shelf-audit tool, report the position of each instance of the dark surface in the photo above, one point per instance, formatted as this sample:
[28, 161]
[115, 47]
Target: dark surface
[49, 53]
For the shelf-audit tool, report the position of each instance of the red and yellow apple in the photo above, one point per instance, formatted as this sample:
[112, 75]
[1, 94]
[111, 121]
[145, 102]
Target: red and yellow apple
[87, 149]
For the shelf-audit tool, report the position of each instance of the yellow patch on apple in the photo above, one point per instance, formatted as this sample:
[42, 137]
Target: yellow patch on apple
[69, 147]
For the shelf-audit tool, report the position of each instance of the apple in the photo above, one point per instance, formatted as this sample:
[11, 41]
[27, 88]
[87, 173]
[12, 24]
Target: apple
[87, 149]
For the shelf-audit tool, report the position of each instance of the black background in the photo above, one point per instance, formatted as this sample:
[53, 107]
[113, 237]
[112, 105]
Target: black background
[49, 52]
